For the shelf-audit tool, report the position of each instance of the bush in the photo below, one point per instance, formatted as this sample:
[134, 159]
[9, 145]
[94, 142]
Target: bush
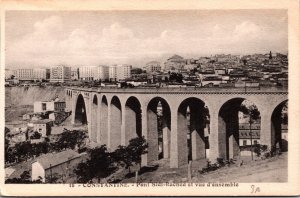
[212, 167]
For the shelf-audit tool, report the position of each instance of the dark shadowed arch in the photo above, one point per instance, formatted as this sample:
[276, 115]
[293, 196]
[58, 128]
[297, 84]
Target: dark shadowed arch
[104, 121]
[193, 126]
[279, 133]
[229, 130]
[133, 119]
[94, 119]
[115, 122]
[80, 111]
[159, 129]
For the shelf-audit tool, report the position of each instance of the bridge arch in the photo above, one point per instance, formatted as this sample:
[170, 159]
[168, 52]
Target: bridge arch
[133, 119]
[94, 118]
[115, 122]
[158, 128]
[193, 129]
[104, 121]
[279, 131]
[80, 111]
[233, 134]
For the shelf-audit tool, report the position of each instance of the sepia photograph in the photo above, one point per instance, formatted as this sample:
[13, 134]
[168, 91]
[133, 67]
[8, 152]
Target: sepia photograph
[147, 98]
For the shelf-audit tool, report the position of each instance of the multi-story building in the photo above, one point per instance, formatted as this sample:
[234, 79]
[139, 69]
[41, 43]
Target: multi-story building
[94, 72]
[32, 74]
[119, 72]
[74, 73]
[175, 63]
[41, 74]
[247, 134]
[153, 66]
[24, 74]
[60, 74]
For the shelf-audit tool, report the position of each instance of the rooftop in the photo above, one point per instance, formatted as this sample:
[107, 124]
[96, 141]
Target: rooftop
[45, 121]
[54, 159]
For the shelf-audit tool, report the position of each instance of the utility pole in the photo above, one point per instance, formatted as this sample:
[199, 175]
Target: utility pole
[50, 173]
[250, 122]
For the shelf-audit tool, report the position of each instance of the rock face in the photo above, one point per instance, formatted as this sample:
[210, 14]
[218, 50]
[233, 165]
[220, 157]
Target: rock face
[17, 96]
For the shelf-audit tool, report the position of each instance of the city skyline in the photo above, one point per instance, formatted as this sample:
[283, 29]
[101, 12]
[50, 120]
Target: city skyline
[44, 39]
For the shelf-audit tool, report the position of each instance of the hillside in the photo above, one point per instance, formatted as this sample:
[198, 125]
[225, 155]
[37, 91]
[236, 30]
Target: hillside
[19, 96]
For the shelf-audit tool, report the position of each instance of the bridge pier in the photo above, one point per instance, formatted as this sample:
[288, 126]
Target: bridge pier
[144, 132]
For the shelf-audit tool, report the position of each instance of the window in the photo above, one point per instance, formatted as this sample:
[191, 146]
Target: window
[44, 106]
[244, 142]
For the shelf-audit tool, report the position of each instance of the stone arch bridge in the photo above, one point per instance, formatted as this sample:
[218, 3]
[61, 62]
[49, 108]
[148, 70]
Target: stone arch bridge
[115, 115]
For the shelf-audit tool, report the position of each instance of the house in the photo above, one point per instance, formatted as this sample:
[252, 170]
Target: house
[61, 164]
[245, 136]
[43, 126]
[54, 105]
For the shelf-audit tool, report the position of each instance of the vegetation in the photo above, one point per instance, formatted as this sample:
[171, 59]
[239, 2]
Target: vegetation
[99, 165]
[254, 115]
[130, 155]
[70, 140]
[36, 135]
[102, 163]
[25, 150]
[24, 179]
[218, 164]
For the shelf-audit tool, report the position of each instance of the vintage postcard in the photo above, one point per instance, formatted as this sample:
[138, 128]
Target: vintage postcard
[161, 98]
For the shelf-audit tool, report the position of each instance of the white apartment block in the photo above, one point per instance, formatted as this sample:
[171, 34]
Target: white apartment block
[41, 73]
[153, 66]
[32, 74]
[94, 72]
[119, 72]
[60, 74]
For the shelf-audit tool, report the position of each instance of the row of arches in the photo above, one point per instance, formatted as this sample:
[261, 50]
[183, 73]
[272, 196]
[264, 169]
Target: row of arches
[193, 125]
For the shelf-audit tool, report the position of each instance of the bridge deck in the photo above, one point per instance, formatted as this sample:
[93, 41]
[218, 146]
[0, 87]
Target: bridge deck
[214, 90]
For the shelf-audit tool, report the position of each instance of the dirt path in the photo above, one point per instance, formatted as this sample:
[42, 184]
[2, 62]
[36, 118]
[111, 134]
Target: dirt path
[270, 170]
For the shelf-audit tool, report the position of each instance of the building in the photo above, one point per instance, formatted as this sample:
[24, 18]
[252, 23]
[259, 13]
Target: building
[174, 63]
[245, 136]
[43, 126]
[32, 74]
[94, 72]
[74, 73]
[153, 66]
[60, 74]
[9, 73]
[119, 72]
[41, 74]
[51, 164]
[54, 105]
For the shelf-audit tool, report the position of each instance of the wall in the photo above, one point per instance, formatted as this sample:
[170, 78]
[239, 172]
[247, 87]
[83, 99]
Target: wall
[16, 96]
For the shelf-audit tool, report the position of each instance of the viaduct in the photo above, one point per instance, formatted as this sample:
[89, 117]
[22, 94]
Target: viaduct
[116, 115]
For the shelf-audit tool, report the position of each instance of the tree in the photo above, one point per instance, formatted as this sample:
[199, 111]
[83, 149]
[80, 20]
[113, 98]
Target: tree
[99, 165]
[254, 115]
[36, 135]
[122, 156]
[130, 155]
[176, 77]
[71, 139]
[136, 148]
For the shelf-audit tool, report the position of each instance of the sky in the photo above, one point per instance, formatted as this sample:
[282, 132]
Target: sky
[75, 38]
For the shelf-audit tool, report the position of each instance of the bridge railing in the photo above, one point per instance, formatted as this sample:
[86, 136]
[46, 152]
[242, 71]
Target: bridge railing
[184, 89]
